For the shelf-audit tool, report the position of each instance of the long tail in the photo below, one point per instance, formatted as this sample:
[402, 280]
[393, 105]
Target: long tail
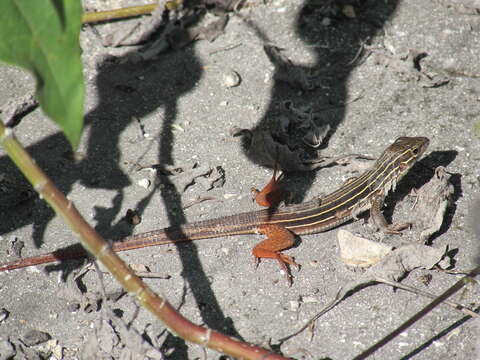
[59, 255]
[78, 252]
[239, 224]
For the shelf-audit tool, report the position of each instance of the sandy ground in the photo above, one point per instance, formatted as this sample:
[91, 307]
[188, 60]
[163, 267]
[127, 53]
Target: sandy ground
[176, 111]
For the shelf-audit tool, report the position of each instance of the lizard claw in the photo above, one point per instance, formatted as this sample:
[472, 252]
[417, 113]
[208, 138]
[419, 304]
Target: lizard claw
[283, 260]
[256, 261]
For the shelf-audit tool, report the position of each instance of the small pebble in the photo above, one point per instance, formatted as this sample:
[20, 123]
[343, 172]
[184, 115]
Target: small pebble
[132, 217]
[326, 21]
[231, 79]
[74, 307]
[267, 78]
[33, 270]
[35, 337]
[314, 263]
[3, 314]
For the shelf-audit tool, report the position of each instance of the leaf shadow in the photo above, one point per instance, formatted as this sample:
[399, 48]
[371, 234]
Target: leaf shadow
[127, 91]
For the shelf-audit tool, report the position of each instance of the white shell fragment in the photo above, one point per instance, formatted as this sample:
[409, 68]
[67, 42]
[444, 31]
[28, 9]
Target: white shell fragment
[360, 252]
[145, 183]
[139, 268]
[349, 11]
[294, 305]
[310, 300]
[231, 79]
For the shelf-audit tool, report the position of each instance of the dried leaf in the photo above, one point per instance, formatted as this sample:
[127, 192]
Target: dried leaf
[141, 31]
[267, 152]
[214, 179]
[224, 5]
[183, 178]
[404, 260]
[104, 340]
[314, 138]
[286, 71]
[302, 114]
[135, 345]
[408, 67]
[212, 30]
[391, 268]
[360, 252]
[52, 347]
[431, 204]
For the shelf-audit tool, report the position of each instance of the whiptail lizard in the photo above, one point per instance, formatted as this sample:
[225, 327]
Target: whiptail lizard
[280, 225]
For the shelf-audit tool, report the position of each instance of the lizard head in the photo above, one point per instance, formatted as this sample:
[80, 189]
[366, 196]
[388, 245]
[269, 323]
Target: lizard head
[400, 156]
[409, 149]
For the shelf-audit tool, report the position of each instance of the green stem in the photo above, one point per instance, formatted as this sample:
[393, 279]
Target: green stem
[100, 16]
[94, 243]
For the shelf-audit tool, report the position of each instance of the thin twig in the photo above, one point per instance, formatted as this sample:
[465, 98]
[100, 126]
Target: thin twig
[151, 275]
[454, 305]
[228, 48]
[440, 299]
[199, 200]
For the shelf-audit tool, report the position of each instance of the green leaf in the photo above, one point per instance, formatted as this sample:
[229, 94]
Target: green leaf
[42, 36]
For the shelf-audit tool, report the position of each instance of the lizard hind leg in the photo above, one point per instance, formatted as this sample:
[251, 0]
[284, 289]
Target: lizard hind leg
[278, 239]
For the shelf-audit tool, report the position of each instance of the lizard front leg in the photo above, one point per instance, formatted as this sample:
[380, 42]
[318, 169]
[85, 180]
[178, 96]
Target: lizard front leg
[378, 219]
[278, 239]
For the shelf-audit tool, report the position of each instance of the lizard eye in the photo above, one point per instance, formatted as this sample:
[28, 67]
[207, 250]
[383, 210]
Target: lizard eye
[415, 151]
